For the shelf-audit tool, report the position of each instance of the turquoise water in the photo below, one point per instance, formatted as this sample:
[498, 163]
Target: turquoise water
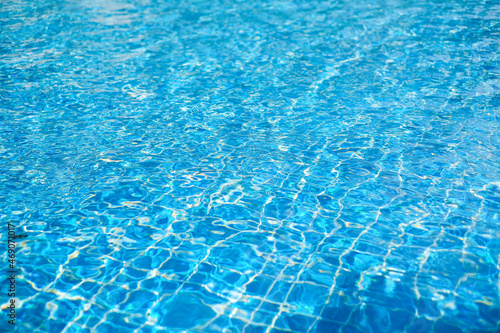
[251, 166]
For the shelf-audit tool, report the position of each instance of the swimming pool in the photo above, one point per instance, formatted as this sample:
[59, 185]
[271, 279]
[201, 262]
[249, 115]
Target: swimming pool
[240, 166]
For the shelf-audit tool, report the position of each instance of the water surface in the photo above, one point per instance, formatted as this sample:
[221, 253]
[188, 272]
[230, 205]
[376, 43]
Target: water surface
[252, 166]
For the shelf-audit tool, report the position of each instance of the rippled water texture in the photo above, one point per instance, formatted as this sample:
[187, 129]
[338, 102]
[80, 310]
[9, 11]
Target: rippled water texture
[252, 166]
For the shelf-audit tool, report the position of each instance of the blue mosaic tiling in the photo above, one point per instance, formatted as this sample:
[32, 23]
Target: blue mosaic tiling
[252, 166]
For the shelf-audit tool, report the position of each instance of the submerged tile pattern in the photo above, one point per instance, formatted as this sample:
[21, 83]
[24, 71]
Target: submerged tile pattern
[252, 166]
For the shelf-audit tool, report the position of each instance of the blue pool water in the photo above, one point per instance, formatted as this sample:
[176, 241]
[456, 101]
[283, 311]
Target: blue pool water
[251, 166]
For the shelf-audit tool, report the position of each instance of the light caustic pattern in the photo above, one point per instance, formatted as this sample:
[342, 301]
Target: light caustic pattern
[252, 166]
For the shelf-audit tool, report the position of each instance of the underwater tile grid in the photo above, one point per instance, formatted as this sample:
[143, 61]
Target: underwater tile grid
[251, 166]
